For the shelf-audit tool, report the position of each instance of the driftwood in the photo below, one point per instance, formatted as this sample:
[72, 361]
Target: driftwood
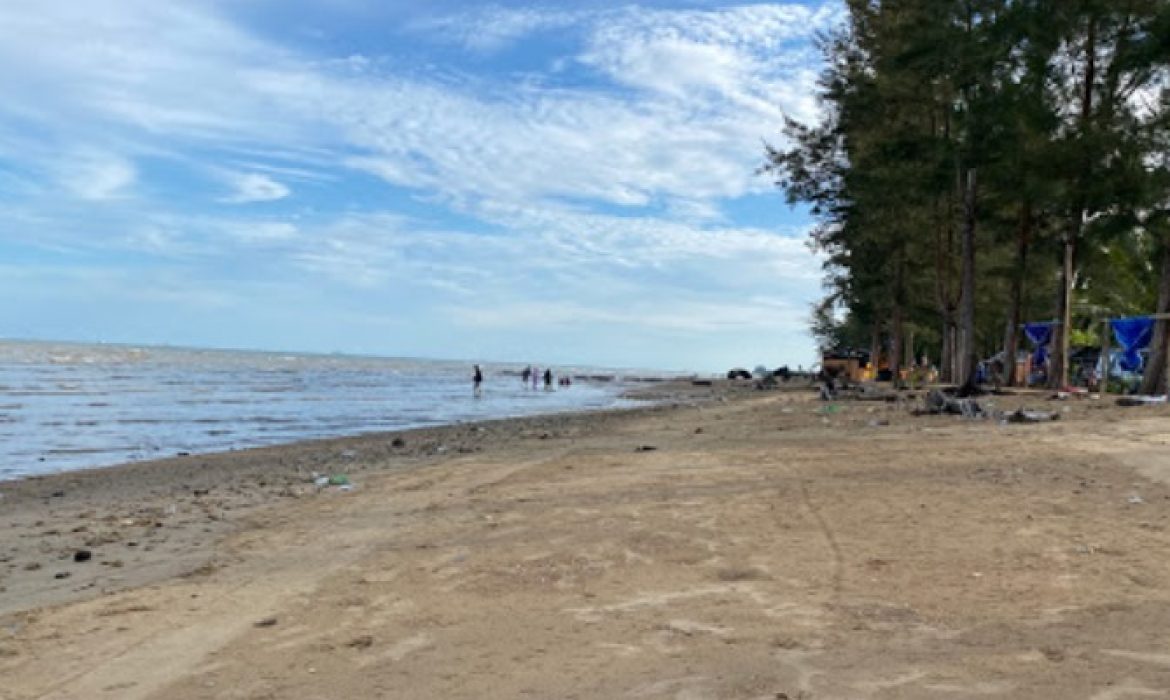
[1141, 400]
[1022, 416]
[938, 402]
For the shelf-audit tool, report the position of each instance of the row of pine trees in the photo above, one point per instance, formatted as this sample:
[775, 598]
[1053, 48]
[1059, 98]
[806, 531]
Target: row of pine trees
[982, 163]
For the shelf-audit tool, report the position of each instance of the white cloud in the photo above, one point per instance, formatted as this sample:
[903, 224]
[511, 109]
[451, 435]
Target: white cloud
[118, 286]
[673, 66]
[752, 56]
[260, 232]
[666, 126]
[164, 67]
[255, 187]
[459, 139]
[95, 176]
[711, 84]
[667, 315]
[555, 270]
[494, 27]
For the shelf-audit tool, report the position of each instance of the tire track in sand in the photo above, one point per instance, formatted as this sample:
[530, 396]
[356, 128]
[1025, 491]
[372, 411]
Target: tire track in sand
[830, 539]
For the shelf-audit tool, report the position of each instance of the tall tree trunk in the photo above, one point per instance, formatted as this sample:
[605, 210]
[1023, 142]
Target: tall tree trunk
[943, 284]
[896, 344]
[1059, 375]
[1011, 343]
[875, 348]
[955, 369]
[897, 329]
[967, 358]
[946, 362]
[1154, 380]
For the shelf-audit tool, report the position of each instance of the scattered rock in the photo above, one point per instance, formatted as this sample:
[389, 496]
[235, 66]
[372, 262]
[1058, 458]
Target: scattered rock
[732, 574]
[1053, 654]
[363, 642]
[398, 442]
[645, 448]
[62, 574]
[82, 555]
[266, 622]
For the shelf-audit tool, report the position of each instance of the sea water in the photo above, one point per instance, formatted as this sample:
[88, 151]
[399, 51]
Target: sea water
[67, 406]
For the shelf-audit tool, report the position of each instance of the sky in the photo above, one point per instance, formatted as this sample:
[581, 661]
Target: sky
[570, 183]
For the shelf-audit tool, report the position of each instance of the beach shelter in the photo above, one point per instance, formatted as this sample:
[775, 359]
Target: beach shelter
[1040, 333]
[1133, 335]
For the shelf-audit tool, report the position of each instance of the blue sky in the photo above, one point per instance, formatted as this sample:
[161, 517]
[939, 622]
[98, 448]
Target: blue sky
[553, 182]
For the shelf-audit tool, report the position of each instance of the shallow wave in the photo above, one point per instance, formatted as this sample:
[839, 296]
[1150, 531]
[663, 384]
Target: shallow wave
[85, 406]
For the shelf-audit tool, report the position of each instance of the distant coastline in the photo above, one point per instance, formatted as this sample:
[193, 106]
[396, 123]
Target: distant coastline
[625, 372]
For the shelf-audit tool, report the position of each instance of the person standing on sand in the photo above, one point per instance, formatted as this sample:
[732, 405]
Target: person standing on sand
[548, 380]
[477, 381]
[524, 376]
[535, 377]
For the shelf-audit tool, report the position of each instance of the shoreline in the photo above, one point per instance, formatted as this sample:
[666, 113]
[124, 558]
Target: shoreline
[636, 394]
[209, 496]
[659, 392]
[749, 545]
[85, 406]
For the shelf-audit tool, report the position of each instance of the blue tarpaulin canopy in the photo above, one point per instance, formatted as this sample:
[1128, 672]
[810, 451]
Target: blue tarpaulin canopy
[1133, 335]
[1041, 335]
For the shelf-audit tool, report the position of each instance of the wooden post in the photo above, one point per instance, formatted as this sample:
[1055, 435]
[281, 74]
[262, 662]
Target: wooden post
[1103, 380]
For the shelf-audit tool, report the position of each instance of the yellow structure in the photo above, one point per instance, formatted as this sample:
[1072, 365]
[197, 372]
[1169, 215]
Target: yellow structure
[844, 366]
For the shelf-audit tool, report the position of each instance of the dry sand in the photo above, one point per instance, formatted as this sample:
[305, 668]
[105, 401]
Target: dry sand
[762, 549]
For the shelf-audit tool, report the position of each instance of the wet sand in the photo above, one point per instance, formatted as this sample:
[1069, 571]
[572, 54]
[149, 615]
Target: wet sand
[730, 544]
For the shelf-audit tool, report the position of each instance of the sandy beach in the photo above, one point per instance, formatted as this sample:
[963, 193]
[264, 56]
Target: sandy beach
[727, 544]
